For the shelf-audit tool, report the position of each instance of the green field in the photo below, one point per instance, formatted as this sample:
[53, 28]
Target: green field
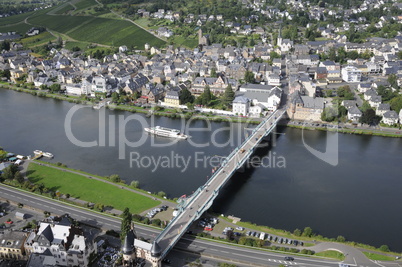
[118, 32]
[61, 24]
[331, 254]
[15, 19]
[39, 39]
[83, 4]
[20, 28]
[378, 257]
[190, 42]
[70, 45]
[89, 189]
[64, 9]
[95, 30]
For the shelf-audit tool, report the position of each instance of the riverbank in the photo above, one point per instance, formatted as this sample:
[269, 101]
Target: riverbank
[163, 111]
[385, 132]
[42, 174]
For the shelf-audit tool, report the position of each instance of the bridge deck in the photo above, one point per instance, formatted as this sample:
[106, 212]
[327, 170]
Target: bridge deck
[203, 198]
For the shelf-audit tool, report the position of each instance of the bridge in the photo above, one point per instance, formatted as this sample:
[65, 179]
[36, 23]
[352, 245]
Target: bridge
[190, 209]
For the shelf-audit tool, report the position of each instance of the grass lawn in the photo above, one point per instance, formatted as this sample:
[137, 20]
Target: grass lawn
[89, 189]
[82, 45]
[331, 254]
[190, 42]
[378, 257]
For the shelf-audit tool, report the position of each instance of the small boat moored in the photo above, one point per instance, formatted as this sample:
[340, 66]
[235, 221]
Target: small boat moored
[48, 154]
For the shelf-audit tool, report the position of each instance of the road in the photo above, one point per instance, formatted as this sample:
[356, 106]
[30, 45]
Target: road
[223, 252]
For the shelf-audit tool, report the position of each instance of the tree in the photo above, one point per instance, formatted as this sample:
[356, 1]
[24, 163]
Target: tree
[369, 117]
[365, 106]
[59, 42]
[249, 77]
[345, 93]
[125, 223]
[135, 184]
[5, 45]
[115, 97]
[396, 103]
[393, 80]
[329, 114]
[9, 172]
[55, 88]
[228, 96]
[161, 194]
[384, 248]
[115, 178]
[297, 232]
[206, 97]
[307, 231]
[340, 239]
[186, 96]
[213, 73]
[19, 177]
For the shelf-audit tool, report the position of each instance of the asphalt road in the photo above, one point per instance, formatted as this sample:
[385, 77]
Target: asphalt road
[220, 252]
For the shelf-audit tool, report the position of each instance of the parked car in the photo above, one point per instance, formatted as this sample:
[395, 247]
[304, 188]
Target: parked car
[240, 228]
[9, 222]
[208, 228]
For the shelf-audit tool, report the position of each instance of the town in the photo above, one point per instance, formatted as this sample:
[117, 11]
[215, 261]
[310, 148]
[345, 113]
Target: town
[319, 64]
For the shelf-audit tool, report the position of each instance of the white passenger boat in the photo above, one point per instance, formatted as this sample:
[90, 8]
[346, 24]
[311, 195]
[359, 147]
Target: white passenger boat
[166, 132]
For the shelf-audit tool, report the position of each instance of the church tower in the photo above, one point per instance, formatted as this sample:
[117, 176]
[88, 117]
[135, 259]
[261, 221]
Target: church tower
[128, 248]
[279, 40]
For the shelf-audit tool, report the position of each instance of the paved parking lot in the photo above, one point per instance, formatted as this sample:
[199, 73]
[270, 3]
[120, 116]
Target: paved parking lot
[17, 224]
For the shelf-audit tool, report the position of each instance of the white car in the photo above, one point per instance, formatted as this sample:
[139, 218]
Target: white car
[239, 228]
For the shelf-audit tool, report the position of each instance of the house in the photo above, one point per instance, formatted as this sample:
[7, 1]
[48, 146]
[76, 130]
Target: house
[381, 109]
[172, 97]
[12, 245]
[369, 94]
[274, 79]
[241, 105]
[274, 99]
[216, 85]
[305, 107]
[400, 116]
[375, 101]
[153, 93]
[256, 110]
[354, 114]
[390, 118]
[363, 87]
[321, 73]
[351, 74]
[65, 242]
[349, 103]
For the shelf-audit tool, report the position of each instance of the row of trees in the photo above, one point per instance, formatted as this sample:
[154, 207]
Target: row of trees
[208, 99]
[12, 173]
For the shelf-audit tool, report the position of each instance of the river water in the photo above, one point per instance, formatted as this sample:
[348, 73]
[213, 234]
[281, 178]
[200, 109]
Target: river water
[359, 198]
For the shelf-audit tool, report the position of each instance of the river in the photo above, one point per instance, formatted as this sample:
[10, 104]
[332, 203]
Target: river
[358, 198]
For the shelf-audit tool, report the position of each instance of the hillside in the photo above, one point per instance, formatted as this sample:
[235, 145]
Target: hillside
[83, 21]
